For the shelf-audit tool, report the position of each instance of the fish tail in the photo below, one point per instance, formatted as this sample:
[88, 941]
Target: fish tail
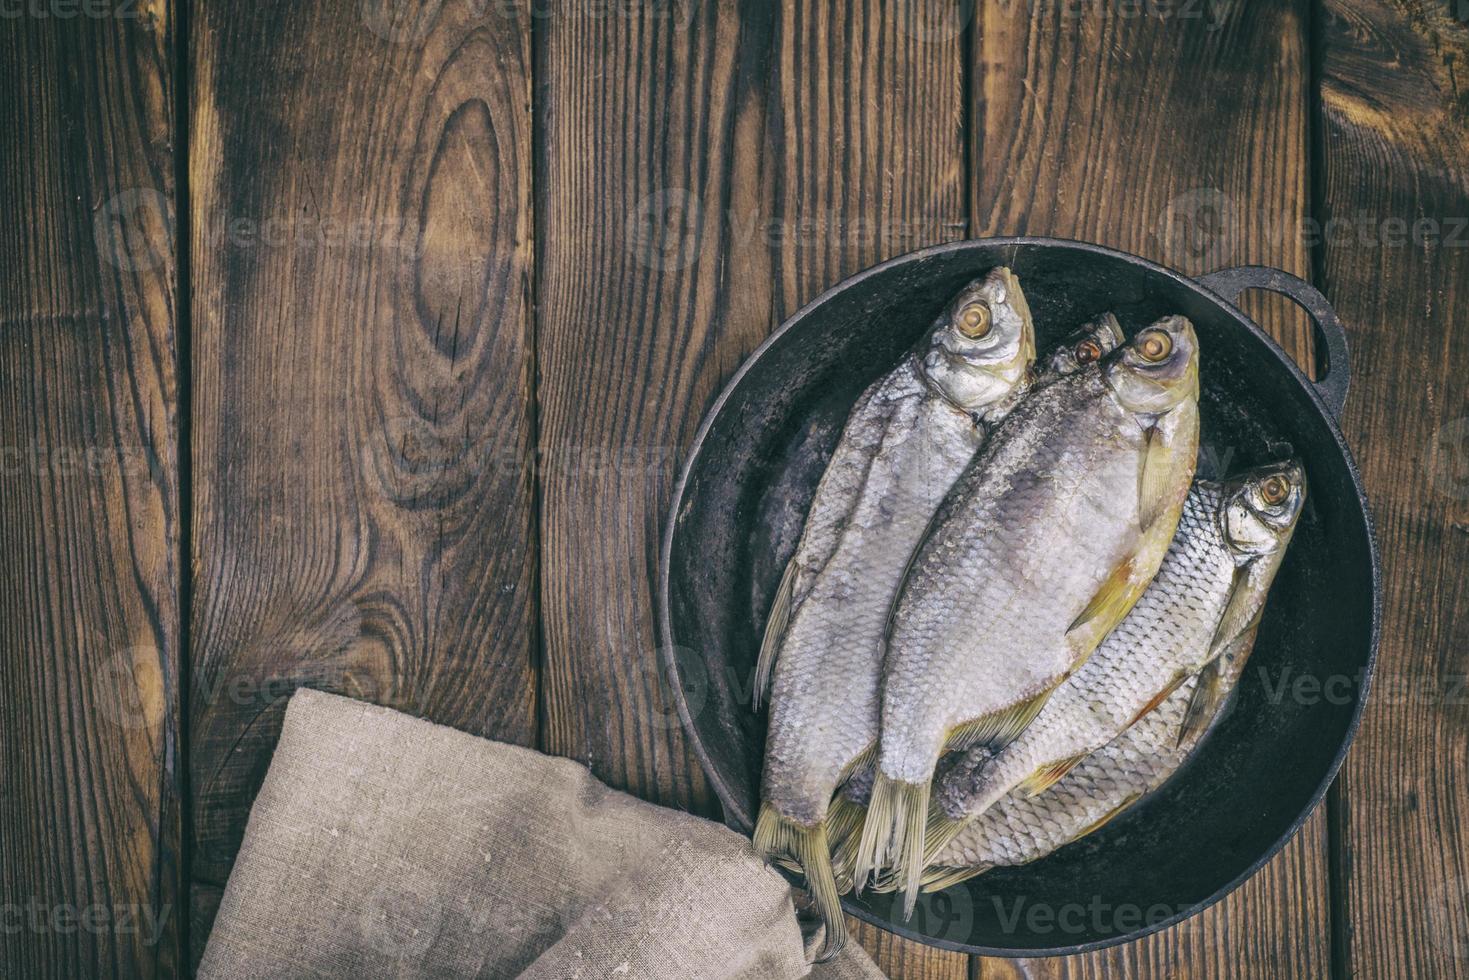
[883, 882]
[910, 836]
[941, 878]
[777, 836]
[870, 853]
[843, 819]
[941, 828]
[844, 855]
[896, 822]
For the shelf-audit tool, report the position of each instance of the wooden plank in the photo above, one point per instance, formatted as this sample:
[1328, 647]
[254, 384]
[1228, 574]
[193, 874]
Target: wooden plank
[729, 164]
[906, 960]
[1178, 132]
[89, 500]
[363, 428]
[634, 333]
[1395, 140]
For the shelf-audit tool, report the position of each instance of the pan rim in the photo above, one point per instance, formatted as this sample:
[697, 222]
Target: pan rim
[664, 626]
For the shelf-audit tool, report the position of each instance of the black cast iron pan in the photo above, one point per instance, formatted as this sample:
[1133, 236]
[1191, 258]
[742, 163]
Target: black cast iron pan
[741, 500]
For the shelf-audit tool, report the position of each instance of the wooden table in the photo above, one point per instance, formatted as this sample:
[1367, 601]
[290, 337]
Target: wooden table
[354, 345]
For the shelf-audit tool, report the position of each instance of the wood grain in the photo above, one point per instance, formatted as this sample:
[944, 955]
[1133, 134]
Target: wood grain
[1180, 133]
[89, 526]
[1395, 200]
[638, 111]
[729, 163]
[363, 427]
[905, 959]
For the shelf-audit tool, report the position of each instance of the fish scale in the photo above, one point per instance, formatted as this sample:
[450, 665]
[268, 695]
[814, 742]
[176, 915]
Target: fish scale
[844, 476]
[902, 448]
[1021, 828]
[1182, 647]
[1055, 510]
[813, 739]
[1043, 545]
[1164, 638]
[1076, 352]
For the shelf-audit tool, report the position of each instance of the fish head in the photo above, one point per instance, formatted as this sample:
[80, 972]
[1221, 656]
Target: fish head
[981, 347]
[1261, 507]
[1157, 369]
[1087, 345]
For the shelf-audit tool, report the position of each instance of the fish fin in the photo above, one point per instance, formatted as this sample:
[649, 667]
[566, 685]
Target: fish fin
[883, 882]
[844, 857]
[1047, 776]
[1202, 704]
[775, 630]
[1168, 462]
[843, 819]
[869, 854]
[941, 829]
[1110, 603]
[909, 842]
[940, 878]
[1241, 614]
[1154, 479]
[1210, 691]
[1125, 584]
[893, 834]
[1157, 699]
[999, 728]
[1107, 817]
[846, 816]
[776, 837]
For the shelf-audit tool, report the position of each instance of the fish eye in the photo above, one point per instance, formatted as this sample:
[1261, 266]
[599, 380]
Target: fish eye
[1088, 351]
[974, 320]
[1154, 345]
[1274, 490]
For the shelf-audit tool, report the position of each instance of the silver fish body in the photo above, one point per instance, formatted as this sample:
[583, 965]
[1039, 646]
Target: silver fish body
[913, 433]
[1021, 828]
[1208, 590]
[824, 699]
[1043, 545]
[1079, 350]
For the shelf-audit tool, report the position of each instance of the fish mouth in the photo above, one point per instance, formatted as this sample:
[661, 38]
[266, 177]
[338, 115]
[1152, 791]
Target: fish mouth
[992, 361]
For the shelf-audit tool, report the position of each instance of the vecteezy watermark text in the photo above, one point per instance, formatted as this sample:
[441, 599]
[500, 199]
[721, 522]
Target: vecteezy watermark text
[411, 21]
[36, 459]
[1205, 226]
[39, 918]
[1306, 688]
[1096, 916]
[666, 228]
[69, 9]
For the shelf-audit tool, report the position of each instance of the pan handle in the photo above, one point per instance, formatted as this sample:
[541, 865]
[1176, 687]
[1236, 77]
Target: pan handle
[1331, 336]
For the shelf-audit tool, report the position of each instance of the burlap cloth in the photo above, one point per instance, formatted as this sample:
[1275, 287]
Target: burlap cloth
[385, 846]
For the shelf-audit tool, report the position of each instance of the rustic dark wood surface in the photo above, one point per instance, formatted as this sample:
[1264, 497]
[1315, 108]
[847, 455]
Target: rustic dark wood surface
[397, 410]
[362, 427]
[1395, 136]
[90, 876]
